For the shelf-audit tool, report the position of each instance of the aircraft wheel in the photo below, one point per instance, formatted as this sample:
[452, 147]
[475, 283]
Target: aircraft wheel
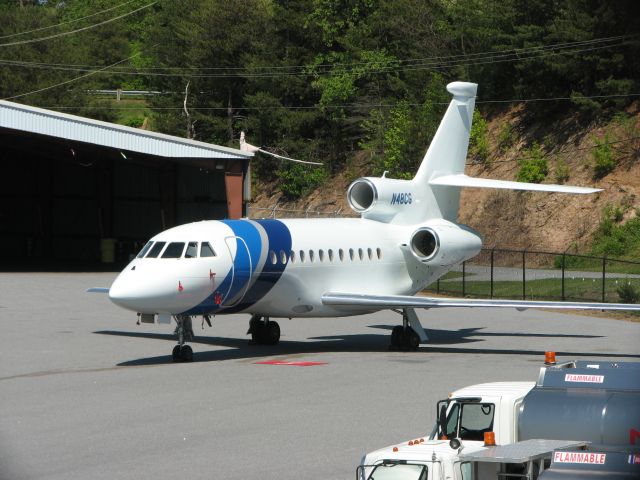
[256, 327]
[186, 353]
[413, 340]
[271, 333]
[396, 337]
[175, 354]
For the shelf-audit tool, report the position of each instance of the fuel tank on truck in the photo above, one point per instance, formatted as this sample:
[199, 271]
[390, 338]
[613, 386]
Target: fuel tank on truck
[590, 401]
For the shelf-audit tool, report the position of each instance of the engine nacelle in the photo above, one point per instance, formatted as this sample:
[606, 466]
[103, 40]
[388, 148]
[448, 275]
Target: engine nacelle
[445, 243]
[381, 198]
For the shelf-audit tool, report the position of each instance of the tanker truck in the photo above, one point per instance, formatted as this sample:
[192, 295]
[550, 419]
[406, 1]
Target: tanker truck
[502, 429]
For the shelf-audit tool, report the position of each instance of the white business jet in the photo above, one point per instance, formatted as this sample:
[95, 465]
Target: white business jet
[407, 237]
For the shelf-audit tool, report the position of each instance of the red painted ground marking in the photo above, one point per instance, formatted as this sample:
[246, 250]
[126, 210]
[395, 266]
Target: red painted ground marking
[291, 364]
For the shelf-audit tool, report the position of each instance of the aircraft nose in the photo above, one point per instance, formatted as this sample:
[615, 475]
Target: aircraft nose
[127, 293]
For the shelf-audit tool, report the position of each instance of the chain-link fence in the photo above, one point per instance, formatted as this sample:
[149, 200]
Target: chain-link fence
[280, 212]
[533, 275]
[517, 274]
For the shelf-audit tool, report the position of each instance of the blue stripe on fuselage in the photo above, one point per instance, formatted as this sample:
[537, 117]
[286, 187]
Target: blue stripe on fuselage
[244, 266]
[279, 241]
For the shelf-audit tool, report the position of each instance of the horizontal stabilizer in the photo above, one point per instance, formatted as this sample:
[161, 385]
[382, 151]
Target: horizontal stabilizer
[98, 290]
[461, 180]
[404, 301]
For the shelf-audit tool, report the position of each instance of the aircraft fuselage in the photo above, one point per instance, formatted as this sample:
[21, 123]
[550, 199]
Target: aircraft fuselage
[275, 268]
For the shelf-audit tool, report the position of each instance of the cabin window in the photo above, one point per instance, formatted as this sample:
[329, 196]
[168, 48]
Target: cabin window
[330, 252]
[341, 255]
[475, 420]
[292, 256]
[351, 254]
[302, 256]
[157, 248]
[145, 249]
[370, 253]
[360, 254]
[321, 255]
[283, 257]
[311, 255]
[174, 250]
[272, 257]
[206, 250]
[379, 253]
[192, 250]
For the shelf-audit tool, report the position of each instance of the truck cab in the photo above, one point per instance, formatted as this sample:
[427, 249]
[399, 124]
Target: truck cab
[472, 411]
[463, 419]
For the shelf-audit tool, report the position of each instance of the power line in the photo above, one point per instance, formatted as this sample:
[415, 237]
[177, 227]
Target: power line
[346, 105]
[70, 81]
[41, 39]
[410, 60]
[395, 65]
[67, 22]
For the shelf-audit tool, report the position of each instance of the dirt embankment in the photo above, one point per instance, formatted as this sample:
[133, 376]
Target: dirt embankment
[507, 219]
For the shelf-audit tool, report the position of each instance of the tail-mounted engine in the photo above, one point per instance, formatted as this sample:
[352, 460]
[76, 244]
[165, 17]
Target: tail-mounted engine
[382, 198]
[445, 243]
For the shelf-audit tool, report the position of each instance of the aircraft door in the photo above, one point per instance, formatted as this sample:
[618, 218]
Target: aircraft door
[241, 270]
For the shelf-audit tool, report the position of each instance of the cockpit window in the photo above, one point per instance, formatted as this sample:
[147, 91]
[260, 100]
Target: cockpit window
[192, 250]
[206, 250]
[174, 250]
[145, 249]
[157, 248]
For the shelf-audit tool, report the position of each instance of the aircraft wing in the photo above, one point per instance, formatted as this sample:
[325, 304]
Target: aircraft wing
[403, 301]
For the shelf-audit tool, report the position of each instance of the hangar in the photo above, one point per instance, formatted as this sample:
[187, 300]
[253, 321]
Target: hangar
[77, 193]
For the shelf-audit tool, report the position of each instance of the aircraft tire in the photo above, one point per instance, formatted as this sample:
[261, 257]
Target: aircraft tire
[413, 340]
[186, 353]
[396, 338]
[175, 354]
[271, 333]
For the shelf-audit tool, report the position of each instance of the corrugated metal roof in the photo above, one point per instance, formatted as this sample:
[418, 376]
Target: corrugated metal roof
[26, 118]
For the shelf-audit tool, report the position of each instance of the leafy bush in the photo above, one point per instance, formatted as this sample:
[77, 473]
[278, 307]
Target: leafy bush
[603, 157]
[297, 180]
[506, 137]
[628, 293]
[479, 138]
[562, 171]
[135, 122]
[534, 166]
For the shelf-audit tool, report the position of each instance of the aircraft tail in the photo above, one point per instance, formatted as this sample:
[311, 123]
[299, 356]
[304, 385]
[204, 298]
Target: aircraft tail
[434, 192]
[447, 152]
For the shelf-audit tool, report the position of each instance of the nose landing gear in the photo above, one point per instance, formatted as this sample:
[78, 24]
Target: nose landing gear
[184, 331]
[263, 331]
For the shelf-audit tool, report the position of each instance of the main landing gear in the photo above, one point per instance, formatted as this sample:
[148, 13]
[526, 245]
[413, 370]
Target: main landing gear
[410, 334]
[184, 331]
[263, 331]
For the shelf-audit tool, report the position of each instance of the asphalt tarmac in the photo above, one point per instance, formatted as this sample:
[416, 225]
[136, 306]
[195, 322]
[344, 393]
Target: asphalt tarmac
[85, 393]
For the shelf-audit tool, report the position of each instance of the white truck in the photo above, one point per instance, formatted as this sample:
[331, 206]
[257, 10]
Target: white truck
[570, 406]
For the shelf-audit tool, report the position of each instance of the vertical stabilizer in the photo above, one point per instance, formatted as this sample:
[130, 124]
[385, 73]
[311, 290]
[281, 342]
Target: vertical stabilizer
[447, 152]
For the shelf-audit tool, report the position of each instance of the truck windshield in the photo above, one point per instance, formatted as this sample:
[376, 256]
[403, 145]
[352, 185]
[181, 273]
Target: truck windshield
[394, 471]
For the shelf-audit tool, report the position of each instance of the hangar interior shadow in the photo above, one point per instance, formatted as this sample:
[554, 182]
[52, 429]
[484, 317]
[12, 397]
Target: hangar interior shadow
[239, 348]
[73, 206]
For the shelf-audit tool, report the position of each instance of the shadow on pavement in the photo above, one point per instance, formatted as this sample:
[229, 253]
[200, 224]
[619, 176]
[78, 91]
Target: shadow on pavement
[239, 348]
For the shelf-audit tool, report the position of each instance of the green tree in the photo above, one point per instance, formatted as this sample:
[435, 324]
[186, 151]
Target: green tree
[533, 166]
